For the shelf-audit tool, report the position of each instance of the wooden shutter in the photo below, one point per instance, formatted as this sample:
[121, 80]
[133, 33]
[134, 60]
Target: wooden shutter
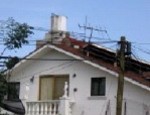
[59, 86]
[46, 88]
[52, 87]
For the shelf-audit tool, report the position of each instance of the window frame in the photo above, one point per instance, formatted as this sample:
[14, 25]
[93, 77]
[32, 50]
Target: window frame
[13, 96]
[100, 90]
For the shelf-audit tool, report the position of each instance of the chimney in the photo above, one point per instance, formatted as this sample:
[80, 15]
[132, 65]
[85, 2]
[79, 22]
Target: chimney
[58, 23]
[58, 29]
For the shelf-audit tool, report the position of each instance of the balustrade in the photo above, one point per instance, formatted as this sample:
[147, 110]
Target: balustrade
[42, 107]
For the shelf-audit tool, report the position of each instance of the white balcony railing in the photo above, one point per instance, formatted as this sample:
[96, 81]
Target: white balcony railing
[43, 108]
[62, 106]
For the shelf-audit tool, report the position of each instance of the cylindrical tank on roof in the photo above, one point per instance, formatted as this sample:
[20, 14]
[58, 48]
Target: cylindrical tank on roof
[58, 23]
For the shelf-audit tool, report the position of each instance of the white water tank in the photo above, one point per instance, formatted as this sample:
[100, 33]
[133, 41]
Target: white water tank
[58, 23]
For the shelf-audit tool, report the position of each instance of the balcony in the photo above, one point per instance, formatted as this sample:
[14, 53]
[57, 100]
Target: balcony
[63, 106]
[43, 107]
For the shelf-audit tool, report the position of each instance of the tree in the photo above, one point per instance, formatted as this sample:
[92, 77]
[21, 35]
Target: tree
[14, 35]
[3, 86]
[11, 62]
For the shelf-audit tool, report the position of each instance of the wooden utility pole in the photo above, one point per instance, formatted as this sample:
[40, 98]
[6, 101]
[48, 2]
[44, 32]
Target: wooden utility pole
[121, 56]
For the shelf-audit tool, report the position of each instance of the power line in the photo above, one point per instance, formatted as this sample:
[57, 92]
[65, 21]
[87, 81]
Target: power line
[135, 55]
[141, 43]
[33, 42]
[38, 28]
[41, 59]
[51, 69]
[100, 40]
[143, 50]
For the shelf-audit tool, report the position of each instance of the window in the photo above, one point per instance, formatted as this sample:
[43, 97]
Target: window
[98, 86]
[13, 90]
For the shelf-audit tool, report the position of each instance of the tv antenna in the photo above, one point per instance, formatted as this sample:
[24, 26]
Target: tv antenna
[91, 29]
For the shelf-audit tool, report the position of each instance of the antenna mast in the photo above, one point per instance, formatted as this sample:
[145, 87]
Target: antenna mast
[91, 29]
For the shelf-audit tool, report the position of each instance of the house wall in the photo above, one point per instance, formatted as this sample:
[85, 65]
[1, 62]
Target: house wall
[134, 96]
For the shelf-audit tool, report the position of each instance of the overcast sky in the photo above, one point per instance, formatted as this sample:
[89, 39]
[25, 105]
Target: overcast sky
[130, 18]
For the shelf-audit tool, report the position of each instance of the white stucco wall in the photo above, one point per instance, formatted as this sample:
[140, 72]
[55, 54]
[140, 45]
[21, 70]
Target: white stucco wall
[84, 103]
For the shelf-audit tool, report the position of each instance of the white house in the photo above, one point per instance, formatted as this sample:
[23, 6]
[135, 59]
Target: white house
[65, 76]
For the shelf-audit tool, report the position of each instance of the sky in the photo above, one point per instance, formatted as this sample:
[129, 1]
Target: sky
[129, 18]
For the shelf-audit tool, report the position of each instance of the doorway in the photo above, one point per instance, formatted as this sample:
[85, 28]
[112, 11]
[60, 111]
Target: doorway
[52, 86]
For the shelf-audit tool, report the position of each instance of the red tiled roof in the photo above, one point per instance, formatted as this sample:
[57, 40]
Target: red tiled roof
[141, 78]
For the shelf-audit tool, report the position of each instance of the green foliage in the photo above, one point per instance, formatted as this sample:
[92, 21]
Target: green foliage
[11, 62]
[16, 34]
[3, 86]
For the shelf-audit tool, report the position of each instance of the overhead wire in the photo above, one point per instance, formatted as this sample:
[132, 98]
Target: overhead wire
[105, 40]
[51, 69]
[137, 59]
[142, 43]
[134, 54]
[42, 59]
[100, 40]
[33, 42]
[36, 28]
[144, 51]
[144, 54]
[139, 67]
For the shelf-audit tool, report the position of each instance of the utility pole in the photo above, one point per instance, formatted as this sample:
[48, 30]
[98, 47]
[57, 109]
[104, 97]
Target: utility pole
[121, 56]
